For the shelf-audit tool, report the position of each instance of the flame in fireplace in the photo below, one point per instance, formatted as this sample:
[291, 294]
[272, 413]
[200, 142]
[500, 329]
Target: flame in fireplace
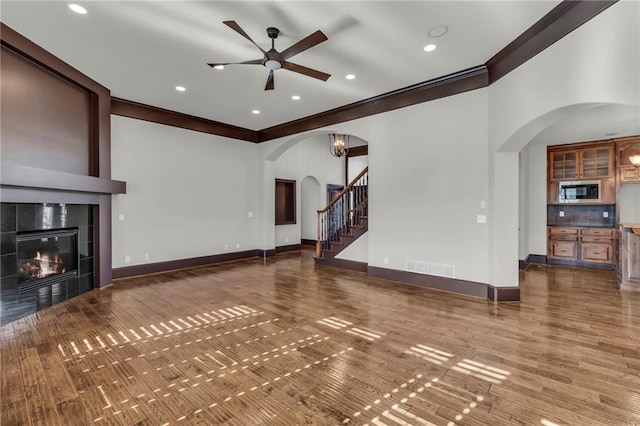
[41, 266]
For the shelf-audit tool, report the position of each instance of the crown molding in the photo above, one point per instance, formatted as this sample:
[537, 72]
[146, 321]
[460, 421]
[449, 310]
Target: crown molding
[560, 21]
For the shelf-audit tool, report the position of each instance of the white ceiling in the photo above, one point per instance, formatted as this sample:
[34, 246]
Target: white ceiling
[141, 50]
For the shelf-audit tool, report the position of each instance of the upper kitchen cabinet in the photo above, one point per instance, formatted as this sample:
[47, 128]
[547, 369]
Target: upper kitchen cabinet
[593, 161]
[627, 147]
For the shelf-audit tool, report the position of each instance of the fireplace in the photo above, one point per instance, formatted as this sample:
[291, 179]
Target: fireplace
[46, 257]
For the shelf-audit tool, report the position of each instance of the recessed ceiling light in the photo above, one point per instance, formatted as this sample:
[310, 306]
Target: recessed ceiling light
[350, 76]
[438, 31]
[180, 88]
[430, 48]
[295, 97]
[255, 111]
[78, 9]
[219, 67]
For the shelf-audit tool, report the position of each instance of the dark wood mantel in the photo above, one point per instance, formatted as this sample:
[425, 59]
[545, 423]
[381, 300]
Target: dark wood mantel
[30, 177]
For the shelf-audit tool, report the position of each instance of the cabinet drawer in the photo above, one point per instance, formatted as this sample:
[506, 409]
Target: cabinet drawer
[600, 232]
[594, 239]
[562, 231]
[561, 237]
[563, 250]
[598, 253]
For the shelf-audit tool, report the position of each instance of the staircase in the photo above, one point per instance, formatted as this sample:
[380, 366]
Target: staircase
[344, 219]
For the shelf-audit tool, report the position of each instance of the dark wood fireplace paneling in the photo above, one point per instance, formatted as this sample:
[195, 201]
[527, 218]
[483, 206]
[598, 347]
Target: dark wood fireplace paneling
[45, 119]
[84, 175]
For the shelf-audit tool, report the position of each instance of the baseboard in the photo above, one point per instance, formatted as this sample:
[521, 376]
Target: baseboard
[265, 253]
[503, 294]
[308, 242]
[351, 265]
[538, 259]
[452, 285]
[290, 247]
[171, 265]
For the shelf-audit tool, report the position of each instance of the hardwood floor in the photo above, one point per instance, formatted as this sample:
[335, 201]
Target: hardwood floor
[281, 342]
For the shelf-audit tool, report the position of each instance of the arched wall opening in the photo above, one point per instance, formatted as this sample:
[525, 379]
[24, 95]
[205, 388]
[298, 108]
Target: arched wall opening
[306, 159]
[520, 215]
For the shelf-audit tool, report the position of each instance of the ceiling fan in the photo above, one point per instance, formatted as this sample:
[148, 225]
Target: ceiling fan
[274, 60]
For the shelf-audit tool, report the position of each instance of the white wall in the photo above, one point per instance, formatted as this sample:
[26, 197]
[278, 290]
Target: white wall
[536, 193]
[188, 193]
[358, 250]
[523, 205]
[309, 157]
[630, 202]
[311, 196]
[356, 165]
[597, 63]
[427, 177]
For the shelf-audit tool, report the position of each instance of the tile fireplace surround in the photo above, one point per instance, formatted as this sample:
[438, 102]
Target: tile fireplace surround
[17, 218]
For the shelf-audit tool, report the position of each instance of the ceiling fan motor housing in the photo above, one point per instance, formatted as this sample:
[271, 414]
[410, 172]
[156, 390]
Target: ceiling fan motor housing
[273, 32]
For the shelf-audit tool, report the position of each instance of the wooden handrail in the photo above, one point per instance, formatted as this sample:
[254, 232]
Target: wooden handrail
[344, 190]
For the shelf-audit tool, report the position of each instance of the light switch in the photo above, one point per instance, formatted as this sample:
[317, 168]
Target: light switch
[121, 217]
[561, 214]
[605, 214]
[482, 218]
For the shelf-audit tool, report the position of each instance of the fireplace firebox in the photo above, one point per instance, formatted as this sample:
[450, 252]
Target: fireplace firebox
[46, 257]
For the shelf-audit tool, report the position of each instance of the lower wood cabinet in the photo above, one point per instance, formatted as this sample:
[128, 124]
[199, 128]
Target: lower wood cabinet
[581, 246]
[596, 253]
[565, 250]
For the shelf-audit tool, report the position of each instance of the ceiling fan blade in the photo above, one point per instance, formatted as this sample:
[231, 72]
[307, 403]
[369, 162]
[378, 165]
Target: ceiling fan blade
[234, 26]
[304, 44]
[306, 71]
[252, 62]
[269, 85]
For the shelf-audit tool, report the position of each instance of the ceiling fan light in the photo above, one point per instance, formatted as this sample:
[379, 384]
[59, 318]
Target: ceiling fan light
[272, 64]
[635, 160]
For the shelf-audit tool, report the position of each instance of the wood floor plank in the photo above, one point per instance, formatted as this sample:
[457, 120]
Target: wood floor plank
[280, 341]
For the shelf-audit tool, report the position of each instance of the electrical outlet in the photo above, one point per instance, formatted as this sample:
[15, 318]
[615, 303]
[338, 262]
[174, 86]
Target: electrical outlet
[250, 214]
[226, 246]
[386, 260]
[127, 259]
[146, 256]
[121, 217]
[286, 240]
[483, 204]
[561, 213]
[238, 245]
[605, 214]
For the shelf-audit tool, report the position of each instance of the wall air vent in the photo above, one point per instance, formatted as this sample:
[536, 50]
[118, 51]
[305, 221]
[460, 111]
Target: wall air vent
[429, 268]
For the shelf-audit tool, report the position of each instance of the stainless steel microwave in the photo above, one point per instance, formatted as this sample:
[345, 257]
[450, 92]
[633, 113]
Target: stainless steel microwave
[579, 191]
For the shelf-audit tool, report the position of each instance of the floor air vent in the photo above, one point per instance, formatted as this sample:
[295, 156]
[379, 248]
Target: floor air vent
[429, 268]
